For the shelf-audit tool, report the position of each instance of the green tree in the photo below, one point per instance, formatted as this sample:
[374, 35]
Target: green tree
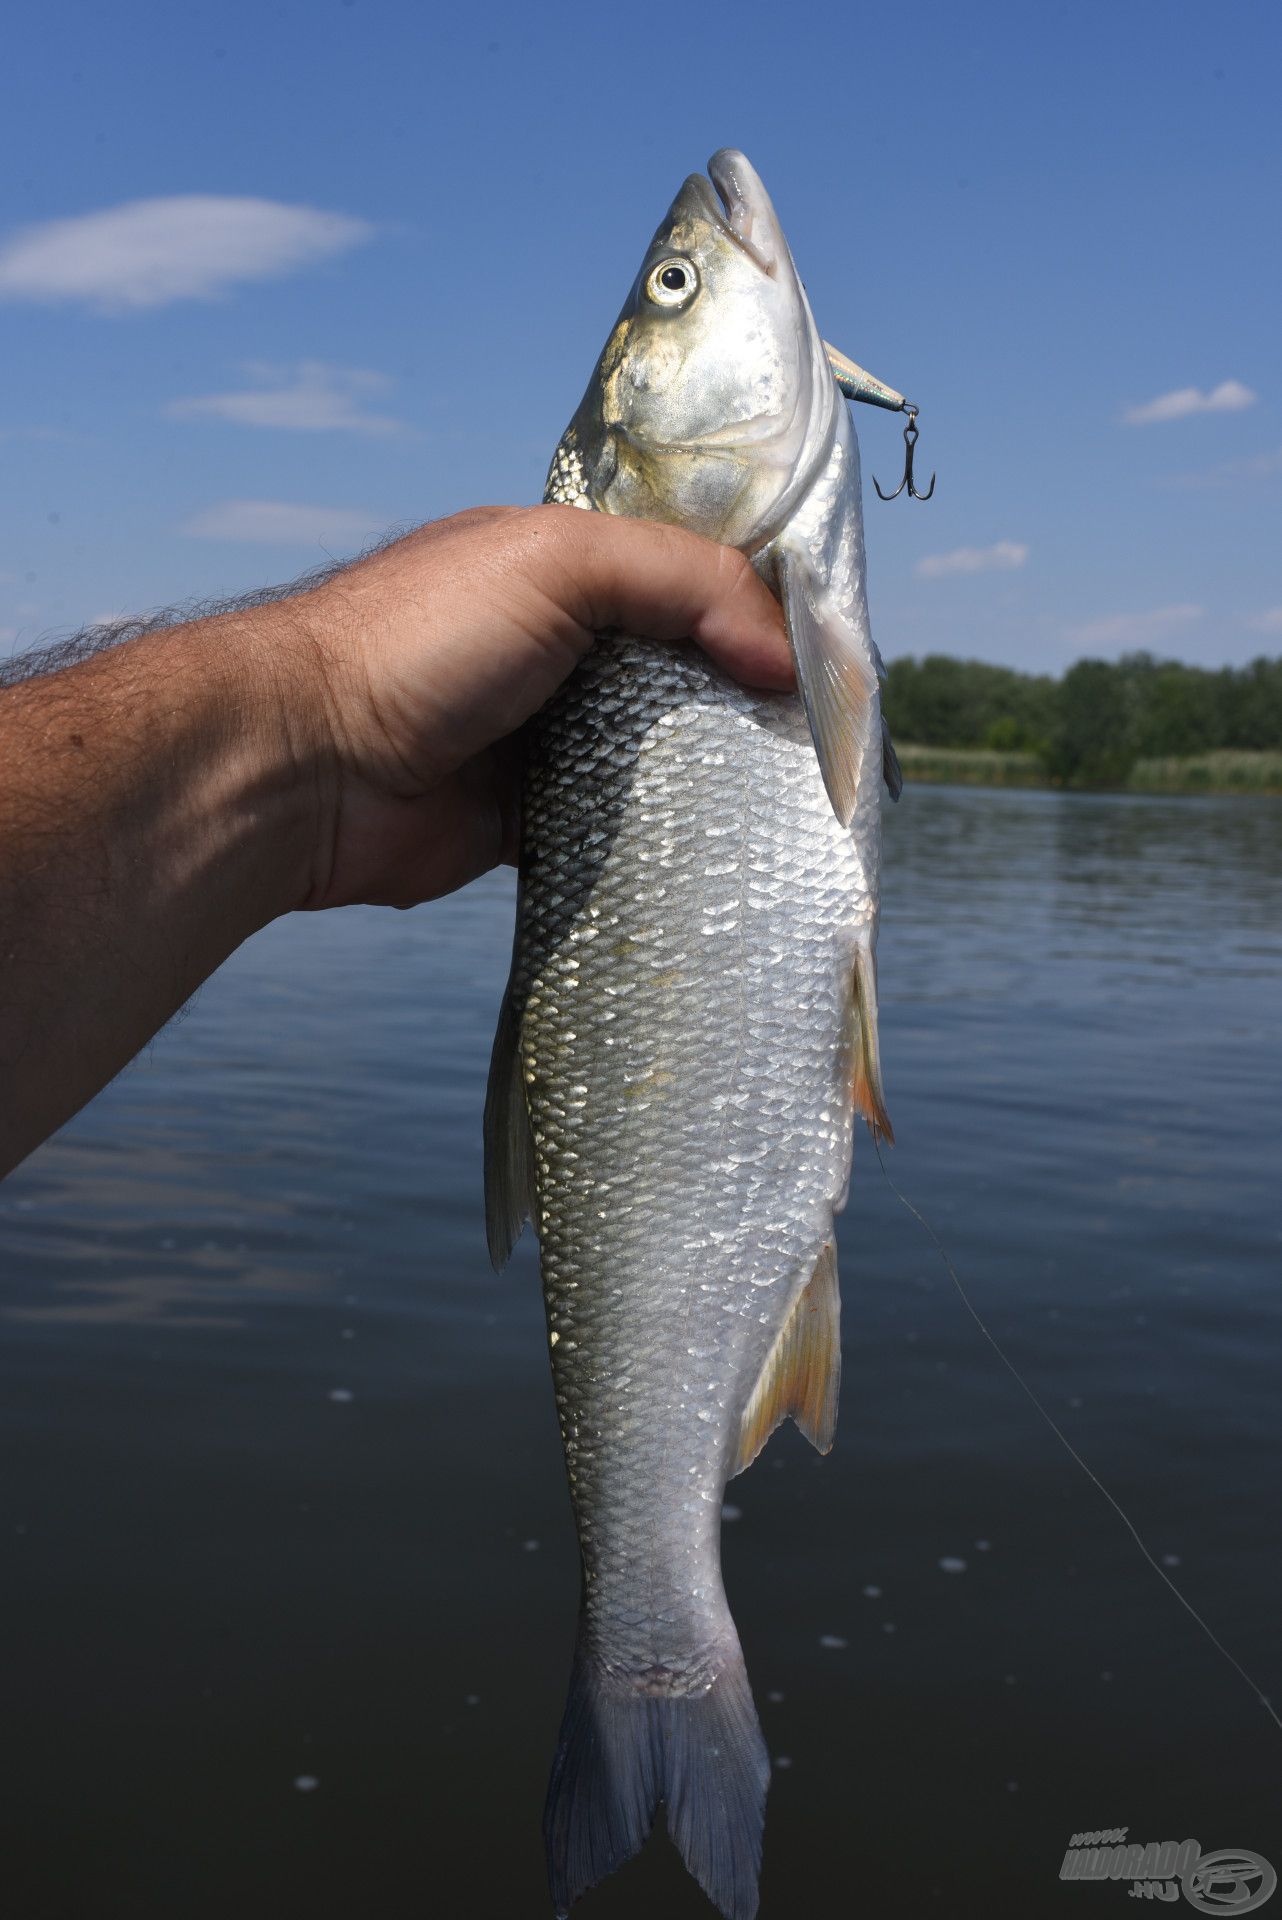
[1006, 734]
[942, 702]
[1248, 705]
[1093, 724]
[1093, 742]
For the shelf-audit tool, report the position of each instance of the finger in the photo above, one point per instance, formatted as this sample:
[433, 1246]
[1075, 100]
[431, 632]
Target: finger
[663, 583]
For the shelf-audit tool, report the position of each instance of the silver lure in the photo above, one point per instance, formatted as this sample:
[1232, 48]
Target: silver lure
[691, 1025]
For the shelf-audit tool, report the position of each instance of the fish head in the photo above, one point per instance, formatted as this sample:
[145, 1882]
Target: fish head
[712, 405]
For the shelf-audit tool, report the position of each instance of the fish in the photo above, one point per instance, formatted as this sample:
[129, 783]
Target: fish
[690, 1025]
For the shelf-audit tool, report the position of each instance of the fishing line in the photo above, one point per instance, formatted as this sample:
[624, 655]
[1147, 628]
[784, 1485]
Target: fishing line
[1068, 1446]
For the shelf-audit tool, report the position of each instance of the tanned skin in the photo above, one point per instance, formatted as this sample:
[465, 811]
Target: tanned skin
[356, 741]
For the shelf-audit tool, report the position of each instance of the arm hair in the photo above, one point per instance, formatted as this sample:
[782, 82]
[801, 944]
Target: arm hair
[51, 656]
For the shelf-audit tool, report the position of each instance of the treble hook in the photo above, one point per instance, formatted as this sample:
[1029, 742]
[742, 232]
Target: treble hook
[910, 441]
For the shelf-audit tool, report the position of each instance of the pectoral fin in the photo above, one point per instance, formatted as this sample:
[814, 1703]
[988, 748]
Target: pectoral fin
[803, 1373]
[837, 678]
[509, 1145]
[870, 1098]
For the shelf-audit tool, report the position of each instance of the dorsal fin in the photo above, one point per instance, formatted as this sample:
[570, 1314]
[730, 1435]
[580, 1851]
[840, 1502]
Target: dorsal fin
[803, 1372]
[892, 772]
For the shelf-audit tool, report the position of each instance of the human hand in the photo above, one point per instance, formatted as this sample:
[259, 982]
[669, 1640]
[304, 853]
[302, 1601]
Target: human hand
[427, 658]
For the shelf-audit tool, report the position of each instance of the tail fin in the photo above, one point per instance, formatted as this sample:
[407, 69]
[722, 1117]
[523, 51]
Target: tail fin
[623, 1751]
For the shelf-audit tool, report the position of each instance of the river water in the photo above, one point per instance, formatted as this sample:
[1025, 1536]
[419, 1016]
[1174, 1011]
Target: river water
[287, 1572]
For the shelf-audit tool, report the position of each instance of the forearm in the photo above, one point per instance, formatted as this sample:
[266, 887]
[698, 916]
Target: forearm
[156, 808]
[355, 739]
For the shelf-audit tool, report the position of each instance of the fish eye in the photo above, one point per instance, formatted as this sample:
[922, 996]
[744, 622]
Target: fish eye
[672, 283]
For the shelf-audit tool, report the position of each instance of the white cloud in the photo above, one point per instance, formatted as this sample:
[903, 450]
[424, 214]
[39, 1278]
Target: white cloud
[1270, 621]
[146, 253]
[1229, 397]
[282, 523]
[1227, 473]
[1003, 557]
[1127, 630]
[308, 398]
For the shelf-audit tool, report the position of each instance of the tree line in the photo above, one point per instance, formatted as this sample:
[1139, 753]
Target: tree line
[1090, 727]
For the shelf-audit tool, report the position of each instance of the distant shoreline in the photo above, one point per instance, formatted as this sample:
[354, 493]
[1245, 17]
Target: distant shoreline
[1227, 770]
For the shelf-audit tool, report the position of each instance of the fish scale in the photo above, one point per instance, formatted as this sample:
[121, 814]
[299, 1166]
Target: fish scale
[690, 1115]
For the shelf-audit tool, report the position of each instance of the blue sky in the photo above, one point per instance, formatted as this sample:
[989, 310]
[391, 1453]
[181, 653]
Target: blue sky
[381, 244]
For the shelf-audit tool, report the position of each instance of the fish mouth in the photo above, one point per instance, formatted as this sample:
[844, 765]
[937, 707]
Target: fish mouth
[741, 207]
[756, 435]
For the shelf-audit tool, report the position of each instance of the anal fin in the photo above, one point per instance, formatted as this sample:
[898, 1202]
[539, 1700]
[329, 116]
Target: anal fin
[509, 1145]
[870, 1097]
[803, 1373]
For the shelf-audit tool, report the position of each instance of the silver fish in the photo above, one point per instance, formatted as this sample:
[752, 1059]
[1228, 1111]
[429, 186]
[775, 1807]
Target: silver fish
[691, 1024]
